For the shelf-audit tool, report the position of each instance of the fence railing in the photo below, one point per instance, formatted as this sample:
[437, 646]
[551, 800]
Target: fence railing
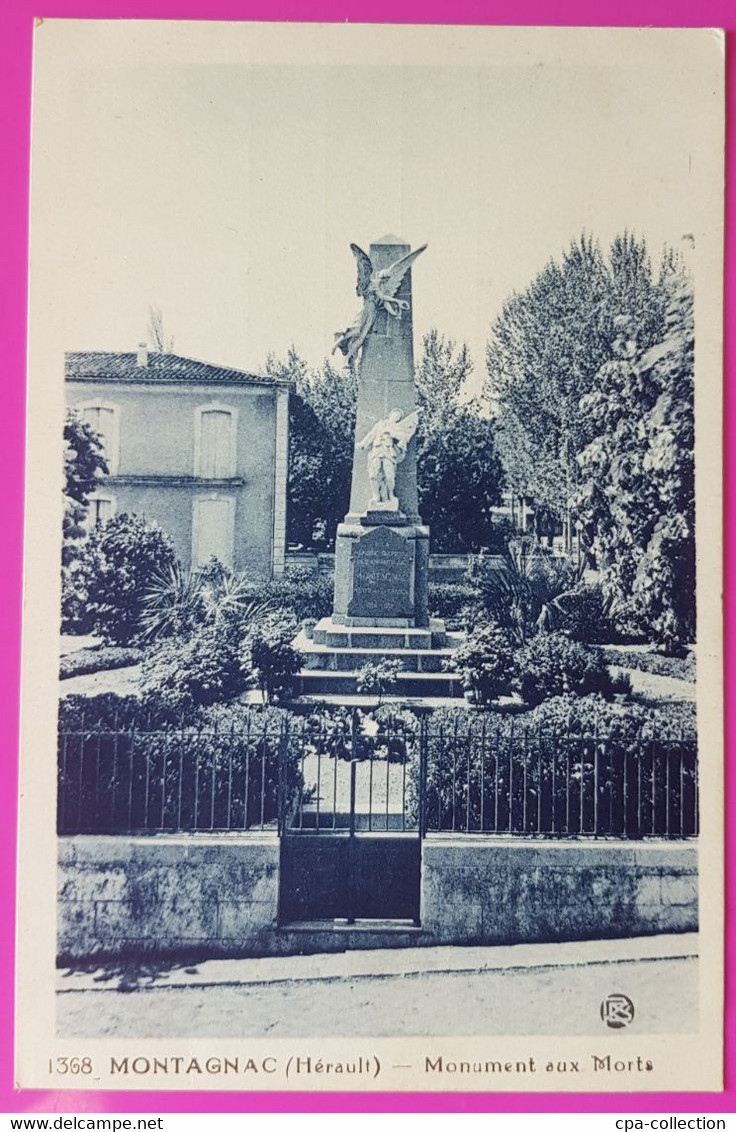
[518, 780]
[135, 779]
[321, 772]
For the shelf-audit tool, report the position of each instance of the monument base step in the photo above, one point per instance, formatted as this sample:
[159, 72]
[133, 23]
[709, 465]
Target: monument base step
[326, 658]
[334, 635]
[344, 683]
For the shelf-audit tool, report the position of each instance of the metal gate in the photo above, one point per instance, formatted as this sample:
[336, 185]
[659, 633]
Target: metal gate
[351, 820]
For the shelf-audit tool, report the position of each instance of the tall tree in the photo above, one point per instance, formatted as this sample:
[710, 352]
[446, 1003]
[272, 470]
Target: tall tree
[84, 467]
[636, 494]
[321, 431]
[545, 351]
[458, 469]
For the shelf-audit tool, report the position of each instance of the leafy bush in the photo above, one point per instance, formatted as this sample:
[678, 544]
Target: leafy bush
[269, 649]
[551, 665]
[682, 668]
[485, 662]
[176, 602]
[378, 677]
[117, 565]
[301, 592]
[100, 659]
[525, 590]
[203, 668]
[585, 615]
[449, 600]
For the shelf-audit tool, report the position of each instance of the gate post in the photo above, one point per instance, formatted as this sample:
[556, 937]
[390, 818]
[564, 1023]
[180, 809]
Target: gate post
[351, 827]
[423, 752]
[282, 791]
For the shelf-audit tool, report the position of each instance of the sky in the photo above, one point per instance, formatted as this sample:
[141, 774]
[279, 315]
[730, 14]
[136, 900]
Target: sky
[223, 179]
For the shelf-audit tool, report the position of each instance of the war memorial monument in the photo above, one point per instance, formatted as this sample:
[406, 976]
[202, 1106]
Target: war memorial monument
[382, 547]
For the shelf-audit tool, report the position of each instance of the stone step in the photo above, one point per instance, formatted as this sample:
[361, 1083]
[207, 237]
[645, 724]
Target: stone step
[333, 635]
[408, 683]
[322, 657]
[310, 936]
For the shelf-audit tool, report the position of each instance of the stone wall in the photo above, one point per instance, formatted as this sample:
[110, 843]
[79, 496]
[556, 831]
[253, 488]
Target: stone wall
[218, 895]
[206, 894]
[476, 890]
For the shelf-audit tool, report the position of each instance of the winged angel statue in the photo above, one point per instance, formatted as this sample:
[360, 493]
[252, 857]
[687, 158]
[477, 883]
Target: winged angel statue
[377, 288]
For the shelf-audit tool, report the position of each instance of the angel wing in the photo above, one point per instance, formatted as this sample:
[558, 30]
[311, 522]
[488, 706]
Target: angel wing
[389, 279]
[365, 270]
[408, 425]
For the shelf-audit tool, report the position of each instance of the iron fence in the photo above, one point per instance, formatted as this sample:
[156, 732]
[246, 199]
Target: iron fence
[515, 780]
[331, 769]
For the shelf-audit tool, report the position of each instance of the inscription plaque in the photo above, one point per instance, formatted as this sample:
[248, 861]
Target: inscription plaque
[382, 581]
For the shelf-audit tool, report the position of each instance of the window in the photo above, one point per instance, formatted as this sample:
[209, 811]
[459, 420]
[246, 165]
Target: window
[213, 530]
[214, 442]
[104, 419]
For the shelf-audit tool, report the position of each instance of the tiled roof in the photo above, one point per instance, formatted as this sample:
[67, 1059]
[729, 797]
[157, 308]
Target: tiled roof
[98, 366]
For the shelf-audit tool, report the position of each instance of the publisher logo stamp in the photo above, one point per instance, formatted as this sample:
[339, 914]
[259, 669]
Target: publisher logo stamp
[617, 1011]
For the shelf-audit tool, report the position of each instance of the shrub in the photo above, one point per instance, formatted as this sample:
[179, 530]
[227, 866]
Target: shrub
[117, 565]
[449, 600]
[269, 649]
[551, 665]
[682, 668]
[301, 592]
[376, 678]
[203, 668]
[485, 662]
[85, 661]
[585, 615]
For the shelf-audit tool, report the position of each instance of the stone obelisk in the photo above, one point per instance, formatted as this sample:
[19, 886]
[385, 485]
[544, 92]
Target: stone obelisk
[382, 548]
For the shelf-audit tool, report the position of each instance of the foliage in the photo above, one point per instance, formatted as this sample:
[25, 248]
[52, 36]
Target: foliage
[637, 491]
[525, 590]
[117, 565]
[321, 432]
[552, 665]
[82, 662]
[449, 600]
[269, 650]
[378, 677]
[545, 771]
[485, 663]
[681, 668]
[459, 472]
[545, 351]
[205, 768]
[300, 592]
[202, 668]
[585, 615]
[176, 602]
[84, 467]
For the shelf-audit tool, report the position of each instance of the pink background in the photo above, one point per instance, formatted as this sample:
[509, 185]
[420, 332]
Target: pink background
[16, 25]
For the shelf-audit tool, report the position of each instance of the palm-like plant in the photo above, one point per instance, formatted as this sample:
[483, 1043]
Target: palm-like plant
[172, 604]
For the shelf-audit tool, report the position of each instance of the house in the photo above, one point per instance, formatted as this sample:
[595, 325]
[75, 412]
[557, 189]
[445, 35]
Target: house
[201, 449]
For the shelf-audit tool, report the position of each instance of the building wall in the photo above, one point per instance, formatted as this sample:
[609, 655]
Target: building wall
[219, 895]
[156, 439]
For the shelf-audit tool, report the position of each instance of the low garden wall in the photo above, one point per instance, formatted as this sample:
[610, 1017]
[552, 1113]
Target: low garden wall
[204, 894]
[477, 890]
[208, 894]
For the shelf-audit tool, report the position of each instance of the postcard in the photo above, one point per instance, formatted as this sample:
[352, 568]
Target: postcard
[372, 692]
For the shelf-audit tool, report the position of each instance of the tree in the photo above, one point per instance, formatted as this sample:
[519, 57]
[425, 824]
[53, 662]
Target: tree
[84, 467]
[321, 435]
[118, 565]
[636, 495]
[161, 343]
[545, 351]
[458, 470]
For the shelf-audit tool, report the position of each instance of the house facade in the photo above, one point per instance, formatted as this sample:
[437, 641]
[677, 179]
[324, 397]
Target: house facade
[200, 449]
